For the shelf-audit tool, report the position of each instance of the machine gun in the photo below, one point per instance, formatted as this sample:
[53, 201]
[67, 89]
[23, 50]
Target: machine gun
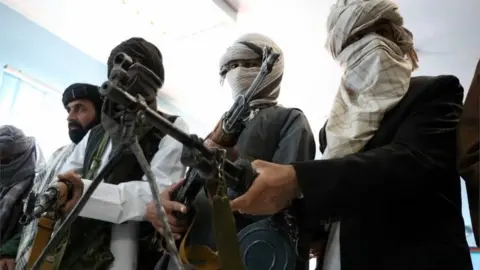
[211, 165]
[226, 134]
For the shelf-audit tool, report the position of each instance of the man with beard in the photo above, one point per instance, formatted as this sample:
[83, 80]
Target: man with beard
[271, 132]
[106, 235]
[83, 104]
[387, 183]
[18, 158]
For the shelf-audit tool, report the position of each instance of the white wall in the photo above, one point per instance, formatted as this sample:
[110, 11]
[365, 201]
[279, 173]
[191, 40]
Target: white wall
[311, 76]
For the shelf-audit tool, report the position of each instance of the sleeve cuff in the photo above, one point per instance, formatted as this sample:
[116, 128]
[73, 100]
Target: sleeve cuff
[308, 183]
[304, 172]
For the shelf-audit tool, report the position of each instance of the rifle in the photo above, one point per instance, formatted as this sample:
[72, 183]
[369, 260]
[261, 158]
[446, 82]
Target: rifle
[226, 133]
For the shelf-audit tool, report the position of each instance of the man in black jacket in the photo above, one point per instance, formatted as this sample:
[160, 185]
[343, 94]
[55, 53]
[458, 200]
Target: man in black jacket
[389, 159]
[469, 150]
[398, 200]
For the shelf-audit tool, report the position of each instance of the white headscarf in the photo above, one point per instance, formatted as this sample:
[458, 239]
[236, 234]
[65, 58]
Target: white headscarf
[240, 78]
[376, 72]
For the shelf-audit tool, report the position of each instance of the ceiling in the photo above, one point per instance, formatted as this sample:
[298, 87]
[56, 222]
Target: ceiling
[96, 27]
[192, 34]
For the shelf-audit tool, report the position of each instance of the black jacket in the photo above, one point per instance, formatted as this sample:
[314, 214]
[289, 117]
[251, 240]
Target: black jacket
[469, 150]
[398, 200]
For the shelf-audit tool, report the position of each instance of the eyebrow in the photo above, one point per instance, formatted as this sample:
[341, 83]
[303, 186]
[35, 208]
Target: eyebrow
[75, 106]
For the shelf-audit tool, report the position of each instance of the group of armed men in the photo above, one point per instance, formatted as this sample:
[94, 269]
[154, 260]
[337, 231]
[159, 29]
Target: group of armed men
[385, 194]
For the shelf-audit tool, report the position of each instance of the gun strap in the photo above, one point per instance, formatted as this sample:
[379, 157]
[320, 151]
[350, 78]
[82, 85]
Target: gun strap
[200, 256]
[97, 159]
[226, 234]
[228, 255]
[42, 236]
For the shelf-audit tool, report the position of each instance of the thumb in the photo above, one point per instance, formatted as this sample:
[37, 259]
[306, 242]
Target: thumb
[244, 202]
[259, 164]
[68, 175]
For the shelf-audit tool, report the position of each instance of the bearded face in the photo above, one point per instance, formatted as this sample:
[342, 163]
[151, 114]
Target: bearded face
[82, 116]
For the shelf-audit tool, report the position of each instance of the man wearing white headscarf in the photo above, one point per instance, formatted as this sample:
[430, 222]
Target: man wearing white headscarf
[387, 185]
[272, 132]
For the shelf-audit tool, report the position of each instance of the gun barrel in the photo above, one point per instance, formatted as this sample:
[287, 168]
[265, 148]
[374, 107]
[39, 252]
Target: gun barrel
[159, 122]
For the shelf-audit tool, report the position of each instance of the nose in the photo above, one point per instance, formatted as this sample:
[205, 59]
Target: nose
[70, 116]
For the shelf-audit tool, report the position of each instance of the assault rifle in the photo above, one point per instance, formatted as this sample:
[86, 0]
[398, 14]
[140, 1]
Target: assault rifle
[226, 133]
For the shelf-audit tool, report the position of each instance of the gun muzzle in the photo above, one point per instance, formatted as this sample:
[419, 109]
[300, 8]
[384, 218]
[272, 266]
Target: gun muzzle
[55, 196]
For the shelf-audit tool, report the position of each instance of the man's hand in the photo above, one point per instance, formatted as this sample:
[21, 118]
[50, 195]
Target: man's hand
[7, 264]
[177, 226]
[75, 179]
[232, 153]
[273, 190]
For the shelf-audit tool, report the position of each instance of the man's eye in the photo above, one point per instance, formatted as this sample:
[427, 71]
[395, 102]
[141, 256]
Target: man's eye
[248, 65]
[233, 65]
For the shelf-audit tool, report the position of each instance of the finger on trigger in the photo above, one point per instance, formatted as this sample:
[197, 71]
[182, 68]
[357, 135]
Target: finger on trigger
[176, 206]
[244, 202]
[238, 203]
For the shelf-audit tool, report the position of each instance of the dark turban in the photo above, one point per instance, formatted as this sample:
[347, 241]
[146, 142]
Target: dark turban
[83, 91]
[140, 51]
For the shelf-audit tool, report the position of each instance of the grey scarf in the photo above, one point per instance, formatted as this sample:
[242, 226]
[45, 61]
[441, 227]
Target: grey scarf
[17, 175]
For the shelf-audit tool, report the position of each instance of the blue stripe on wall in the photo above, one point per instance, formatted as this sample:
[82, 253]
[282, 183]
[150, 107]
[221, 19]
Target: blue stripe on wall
[42, 55]
[476, 260]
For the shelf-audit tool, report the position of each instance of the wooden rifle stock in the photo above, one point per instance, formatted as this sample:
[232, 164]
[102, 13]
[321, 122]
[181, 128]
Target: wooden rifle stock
[46, 224]
[42, 236]
[220, 137]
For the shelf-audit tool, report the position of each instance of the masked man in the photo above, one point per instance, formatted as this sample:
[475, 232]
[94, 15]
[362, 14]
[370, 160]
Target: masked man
[83, 104]
[469, 150]
[18, 158]
[387, 184]
[105, 236]
[272, 132]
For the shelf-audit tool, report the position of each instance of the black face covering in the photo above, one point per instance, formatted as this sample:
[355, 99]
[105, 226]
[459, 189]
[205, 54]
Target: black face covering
[77, 134]
[143, 82]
